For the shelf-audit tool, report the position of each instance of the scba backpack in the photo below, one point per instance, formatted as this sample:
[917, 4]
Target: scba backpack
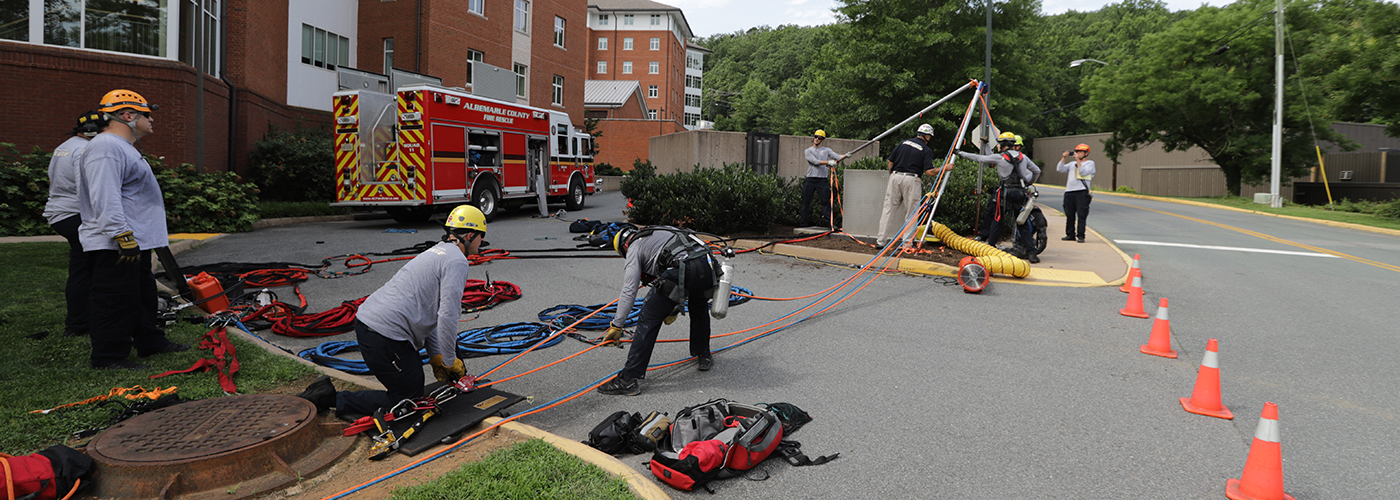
[49, 474]
[716, 440]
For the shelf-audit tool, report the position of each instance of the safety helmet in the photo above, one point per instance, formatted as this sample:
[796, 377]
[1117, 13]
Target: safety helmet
[89, 124]
[465, 218]
[622, 239]
[120, 99]
[926, 129]
[819, 133]
[1082, 147]
[1020, 141]
[1006, 136]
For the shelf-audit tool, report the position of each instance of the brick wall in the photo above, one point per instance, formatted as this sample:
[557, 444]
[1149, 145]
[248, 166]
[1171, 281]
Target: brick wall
[626, 140]
[549, 60]
[670, 59]
[450, 30]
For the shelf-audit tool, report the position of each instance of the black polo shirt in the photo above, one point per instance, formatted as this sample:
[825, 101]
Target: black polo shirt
[912, 156]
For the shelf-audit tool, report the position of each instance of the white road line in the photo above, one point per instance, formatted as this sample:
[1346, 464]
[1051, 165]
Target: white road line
[1233, 249]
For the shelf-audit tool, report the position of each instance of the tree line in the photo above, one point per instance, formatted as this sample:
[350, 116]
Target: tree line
[1201, 78]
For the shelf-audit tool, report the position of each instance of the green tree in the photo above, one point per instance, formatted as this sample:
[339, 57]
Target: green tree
[754, 78]
[1358, 51]
[1179, 92]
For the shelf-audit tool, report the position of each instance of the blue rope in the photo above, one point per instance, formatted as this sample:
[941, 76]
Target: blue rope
[567, 314]
[510, 338]
[325, 355]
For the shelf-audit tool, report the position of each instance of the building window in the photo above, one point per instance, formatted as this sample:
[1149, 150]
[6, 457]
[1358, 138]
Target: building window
[522, 16]
[693, 61]
[558, 96]
[477, 7]
[602, 19]
[656, 19]
[653, 67]
[627, 43]
[692, 100]
[652, 91]
[473, 56]
[323, 49]
[626, 67]
[602, 67]
[520, 83]
[207, 14]
[692, 81]
[655, 43]
[651, 114]
[603, 43]
[133, 27]
[558, 31]
[389, 57]
[627, 19]
[691, 118]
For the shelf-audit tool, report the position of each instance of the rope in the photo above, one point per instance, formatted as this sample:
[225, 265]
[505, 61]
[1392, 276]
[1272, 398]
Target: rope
[510, 338]
[600, 321]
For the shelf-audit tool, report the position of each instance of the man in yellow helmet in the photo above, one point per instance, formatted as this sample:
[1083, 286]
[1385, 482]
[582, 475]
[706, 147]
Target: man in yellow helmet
[1016, 171]
[419, 307]
[123, 219]
[820, 162]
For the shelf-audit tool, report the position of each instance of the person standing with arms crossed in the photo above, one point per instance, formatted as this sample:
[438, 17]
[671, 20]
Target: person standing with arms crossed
[62, 213]
[1077, 194]
[904, 189]
[820, 161]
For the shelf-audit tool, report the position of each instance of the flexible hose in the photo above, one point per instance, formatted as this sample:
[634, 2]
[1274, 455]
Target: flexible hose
[510, 338]
[603, 319]
[995, 260]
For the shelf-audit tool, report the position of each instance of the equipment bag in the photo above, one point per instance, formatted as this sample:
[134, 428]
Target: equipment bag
[743, 435]
[652, 432]
[58, 470]
[614, 434]
[759, 433]
[694, 466]
[697, 423]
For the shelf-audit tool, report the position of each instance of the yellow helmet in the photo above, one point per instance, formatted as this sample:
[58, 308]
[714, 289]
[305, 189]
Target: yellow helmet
[1006, 136]
[1019, 141]
[120, 99]
[819, 133]
[465, 218]
[622, 238]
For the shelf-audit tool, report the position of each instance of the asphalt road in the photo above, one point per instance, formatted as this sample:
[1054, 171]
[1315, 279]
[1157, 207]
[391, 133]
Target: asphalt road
[1020, 392]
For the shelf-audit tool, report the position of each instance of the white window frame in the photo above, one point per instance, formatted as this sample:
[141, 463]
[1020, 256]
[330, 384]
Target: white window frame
[476, 56]
[522, 80]
[522, 16]
[559, 25]
[627, 43]
[651, 114]
[653, 68]
[626, 67]
[627, 19]
[655, 43]
[389, 55]
[653, 92]
[477, 7]
[656, 19]
[557, 96]
[602, 67]
[602, 43]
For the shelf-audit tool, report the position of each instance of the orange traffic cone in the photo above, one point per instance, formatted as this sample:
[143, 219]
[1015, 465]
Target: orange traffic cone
[1160, 342]
[1263, 470]
[1134, 305]
[1205, 398]
[1133, 272]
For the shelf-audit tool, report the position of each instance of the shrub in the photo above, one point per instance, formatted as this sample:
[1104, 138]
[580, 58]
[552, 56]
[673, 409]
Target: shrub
[212, 202]
[607, 169]
[24, 189]
[294, 166]
[1126, 189]
[722, 200]
[1390, 210]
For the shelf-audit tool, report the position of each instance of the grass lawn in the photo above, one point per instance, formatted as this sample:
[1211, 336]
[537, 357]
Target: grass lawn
[51, 371]
[527, 471]
[1304, 211]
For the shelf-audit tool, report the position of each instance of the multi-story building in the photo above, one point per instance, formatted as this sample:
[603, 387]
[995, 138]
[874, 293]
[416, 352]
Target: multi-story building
[649, 43]
[267, 63]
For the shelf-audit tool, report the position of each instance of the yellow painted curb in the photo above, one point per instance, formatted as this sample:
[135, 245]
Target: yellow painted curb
[193, 236]
[640, 484]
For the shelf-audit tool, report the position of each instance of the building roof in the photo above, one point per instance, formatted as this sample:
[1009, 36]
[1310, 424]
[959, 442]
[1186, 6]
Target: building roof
[640, 5]
[693, 46]
[612, 93]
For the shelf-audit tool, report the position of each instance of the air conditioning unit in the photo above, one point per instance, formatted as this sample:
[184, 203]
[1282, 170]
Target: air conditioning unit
[1344, 175]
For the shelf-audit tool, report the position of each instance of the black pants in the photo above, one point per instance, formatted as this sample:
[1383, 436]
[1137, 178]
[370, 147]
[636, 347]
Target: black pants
[79, 276]
[657, 306]
[122, 308]
[1007, 202]
[821, 188]
[1076, 211]
[394, 362]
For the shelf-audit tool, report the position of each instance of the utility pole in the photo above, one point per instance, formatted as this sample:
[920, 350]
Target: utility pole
[1276, 164]
[986, 121]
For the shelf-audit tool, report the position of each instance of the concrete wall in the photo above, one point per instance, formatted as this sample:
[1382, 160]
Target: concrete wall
[1149, 170]
[712, 148]
[864, 198]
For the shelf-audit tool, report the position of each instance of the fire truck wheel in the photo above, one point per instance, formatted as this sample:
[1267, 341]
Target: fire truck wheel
[411, 215]
[575, 201]
[484, 197]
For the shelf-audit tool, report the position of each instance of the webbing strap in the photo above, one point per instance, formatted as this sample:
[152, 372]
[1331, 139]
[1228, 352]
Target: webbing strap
[225, 361]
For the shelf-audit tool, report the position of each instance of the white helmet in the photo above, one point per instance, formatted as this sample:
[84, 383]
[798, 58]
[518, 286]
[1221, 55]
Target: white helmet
[926, 129]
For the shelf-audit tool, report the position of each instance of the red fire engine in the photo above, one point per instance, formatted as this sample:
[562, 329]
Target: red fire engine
[428, 147]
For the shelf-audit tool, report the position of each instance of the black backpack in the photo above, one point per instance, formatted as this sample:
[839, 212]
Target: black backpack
[615, 434]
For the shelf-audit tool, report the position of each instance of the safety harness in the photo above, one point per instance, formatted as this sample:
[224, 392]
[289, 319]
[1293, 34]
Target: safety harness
[681, 252]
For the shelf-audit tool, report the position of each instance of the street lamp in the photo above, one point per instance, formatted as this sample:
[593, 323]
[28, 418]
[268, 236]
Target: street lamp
[1075, 63]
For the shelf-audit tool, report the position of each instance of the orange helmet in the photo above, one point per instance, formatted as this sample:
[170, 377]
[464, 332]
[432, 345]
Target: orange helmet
[120, 99]
[1082, 147]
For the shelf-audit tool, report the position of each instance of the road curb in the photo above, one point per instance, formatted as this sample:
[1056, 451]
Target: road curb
[1348, 225]
[286, 221]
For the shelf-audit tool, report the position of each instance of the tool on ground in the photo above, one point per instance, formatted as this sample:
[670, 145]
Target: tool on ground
[387, 441]
[1205, 397]
[1160, 342]
[972, 275]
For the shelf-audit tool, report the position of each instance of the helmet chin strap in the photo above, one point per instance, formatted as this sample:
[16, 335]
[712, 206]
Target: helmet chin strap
[130, 124]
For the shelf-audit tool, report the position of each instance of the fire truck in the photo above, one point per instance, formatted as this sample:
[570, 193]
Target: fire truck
[427, 148]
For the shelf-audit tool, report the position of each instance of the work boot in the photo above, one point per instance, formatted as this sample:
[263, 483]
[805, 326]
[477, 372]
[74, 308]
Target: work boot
[1081, 239]
[706, 363]
[1033, 259]
[620, 386]
[1067, 238]
[168, 347]
[320, 393]
[979, 239]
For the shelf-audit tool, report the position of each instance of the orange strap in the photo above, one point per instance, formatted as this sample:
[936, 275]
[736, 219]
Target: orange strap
[130, 393]
[9, 476]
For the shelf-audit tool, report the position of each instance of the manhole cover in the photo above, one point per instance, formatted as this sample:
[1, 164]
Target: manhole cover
[229, 447]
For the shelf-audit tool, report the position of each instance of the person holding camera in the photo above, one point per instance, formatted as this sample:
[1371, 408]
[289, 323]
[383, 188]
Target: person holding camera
[1077, 195]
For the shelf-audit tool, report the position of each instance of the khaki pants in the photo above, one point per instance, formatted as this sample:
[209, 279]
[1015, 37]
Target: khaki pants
[902, 195]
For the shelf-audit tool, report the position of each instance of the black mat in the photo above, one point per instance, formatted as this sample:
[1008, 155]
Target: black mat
[454, 417]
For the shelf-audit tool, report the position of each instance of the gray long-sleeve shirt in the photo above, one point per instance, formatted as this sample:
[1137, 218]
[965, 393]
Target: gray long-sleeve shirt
[816, 158]
[1027, 169]
[1080, 179]
[422, 303]
[63, 180]
[641, 259]
[117, 192]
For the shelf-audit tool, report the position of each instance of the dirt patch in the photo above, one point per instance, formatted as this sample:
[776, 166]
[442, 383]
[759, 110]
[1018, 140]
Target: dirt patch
[931, 252]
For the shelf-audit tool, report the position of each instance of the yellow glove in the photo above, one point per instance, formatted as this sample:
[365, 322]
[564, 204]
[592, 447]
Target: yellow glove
[127, 249]
[614, 336]
[446, 373]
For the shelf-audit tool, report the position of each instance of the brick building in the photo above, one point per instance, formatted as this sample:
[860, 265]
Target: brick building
[649, 43]
[267, 63]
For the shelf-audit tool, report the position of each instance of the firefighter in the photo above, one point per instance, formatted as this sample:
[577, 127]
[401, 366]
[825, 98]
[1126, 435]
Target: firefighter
[419, 307]
[1016, 171]
[62, 213]
[123, 219]
[680, 270]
